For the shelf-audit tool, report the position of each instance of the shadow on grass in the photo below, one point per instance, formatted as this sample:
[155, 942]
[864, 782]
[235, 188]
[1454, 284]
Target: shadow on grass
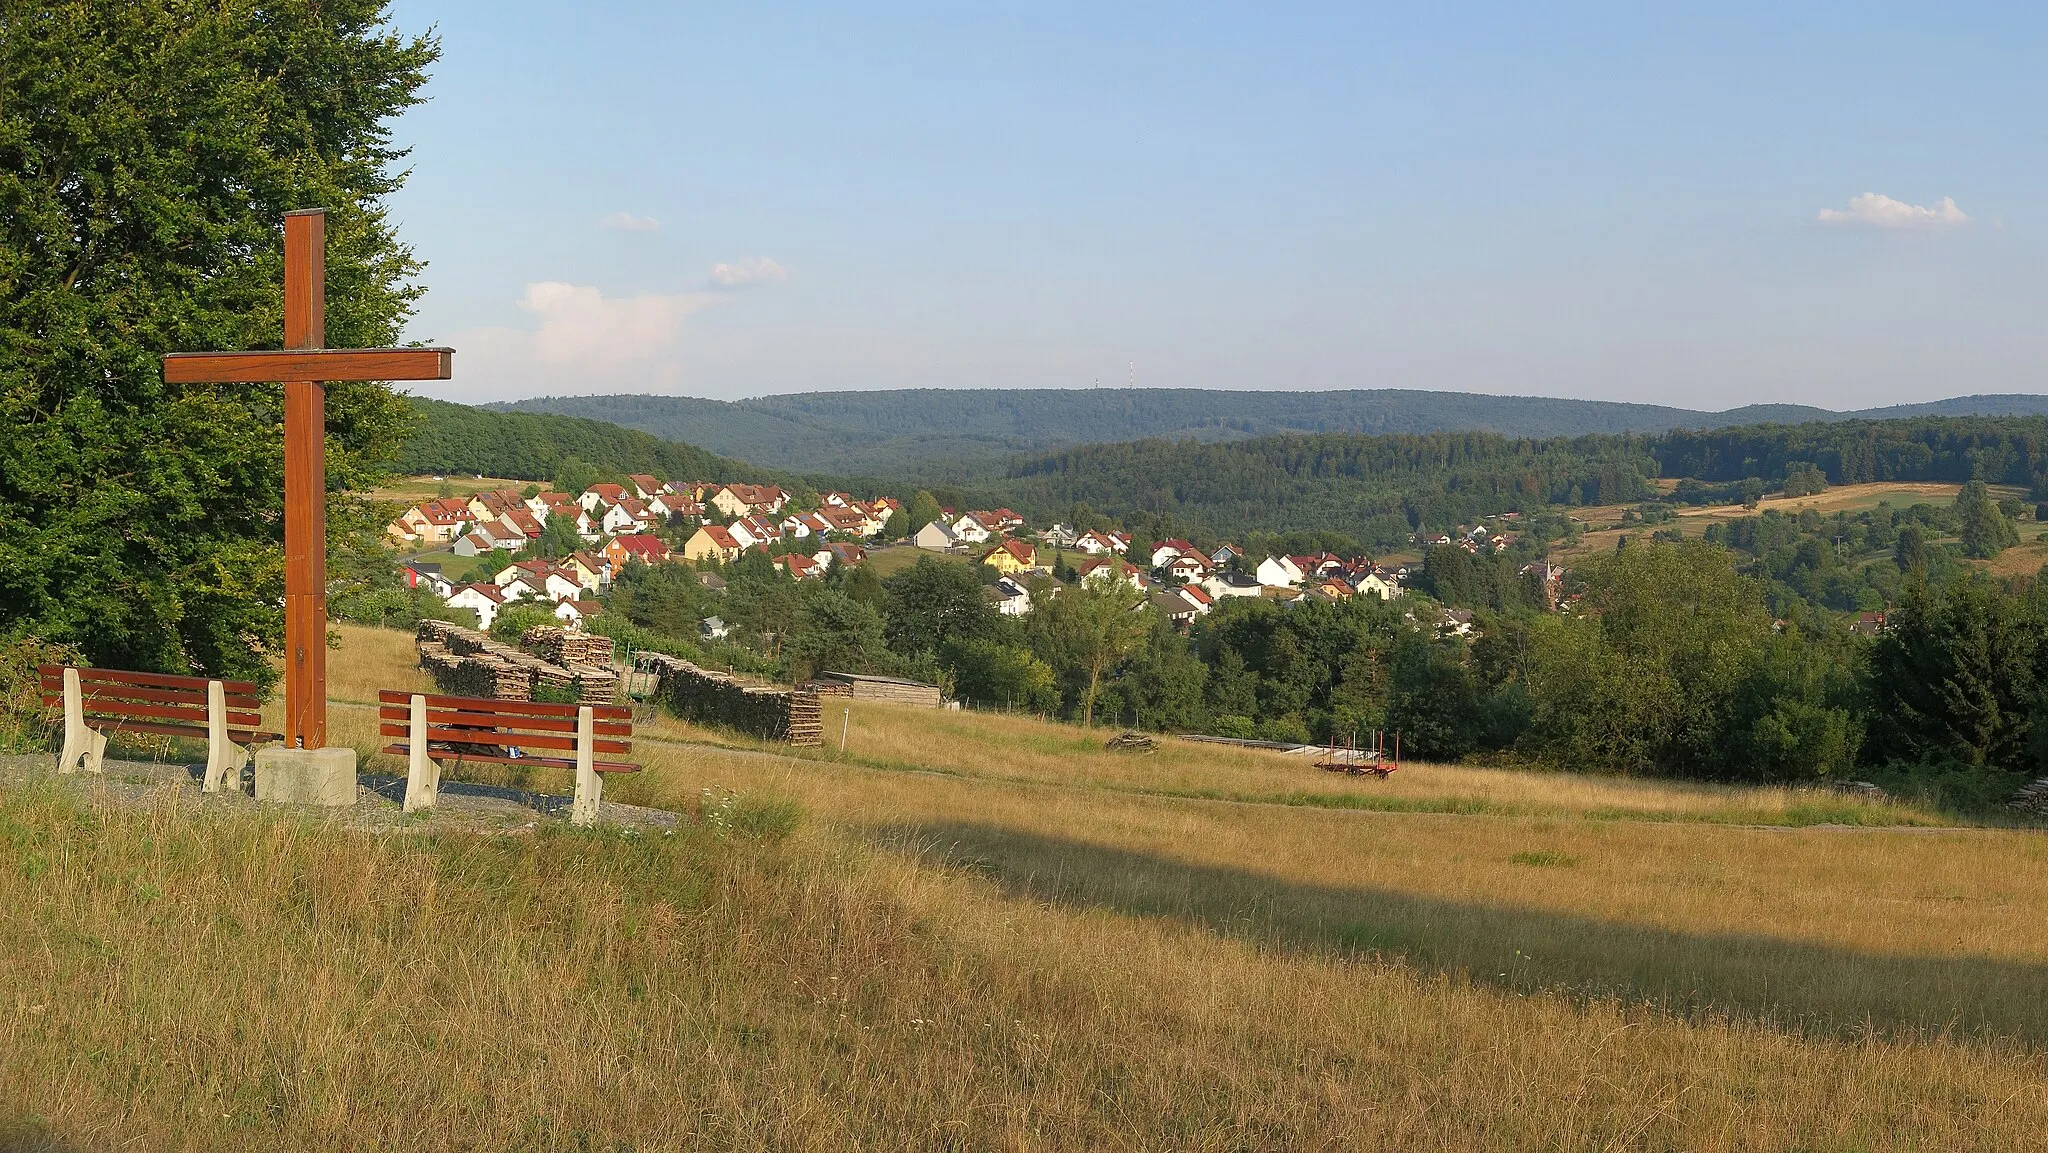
[1819, 989]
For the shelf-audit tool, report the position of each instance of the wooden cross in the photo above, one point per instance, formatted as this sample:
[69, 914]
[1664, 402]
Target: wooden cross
[301, 366]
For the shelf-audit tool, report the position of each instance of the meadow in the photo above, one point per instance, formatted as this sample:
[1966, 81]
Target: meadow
[982, 931]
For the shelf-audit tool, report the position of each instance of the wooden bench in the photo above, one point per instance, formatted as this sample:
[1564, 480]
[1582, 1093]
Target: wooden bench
[440, 728]
[99, 702]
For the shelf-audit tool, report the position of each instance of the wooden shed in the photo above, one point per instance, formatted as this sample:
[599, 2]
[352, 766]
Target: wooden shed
[896, 690]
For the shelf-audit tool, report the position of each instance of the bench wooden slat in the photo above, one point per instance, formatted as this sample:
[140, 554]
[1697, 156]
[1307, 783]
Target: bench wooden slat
[502, 738]
[505, 708]
[105, 708]
[198, 732]
[101, 707]
[53, 693]
[403, 713]
[403, 750]
[153, 680]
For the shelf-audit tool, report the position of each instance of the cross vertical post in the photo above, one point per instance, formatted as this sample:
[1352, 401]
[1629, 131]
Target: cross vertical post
[303, 366]
[305, 486]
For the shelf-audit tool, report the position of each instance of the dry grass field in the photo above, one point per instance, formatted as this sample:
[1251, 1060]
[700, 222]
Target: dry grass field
[988, 932]
[1603, 521]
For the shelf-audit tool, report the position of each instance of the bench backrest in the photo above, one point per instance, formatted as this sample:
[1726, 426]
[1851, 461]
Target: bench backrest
[502, 724]
[162, 704]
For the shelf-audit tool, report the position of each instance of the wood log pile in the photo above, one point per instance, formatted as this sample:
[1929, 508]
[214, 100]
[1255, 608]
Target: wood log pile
[584, 659]
[771, 712]
[2033, 798]
[895, 690]
[1131, 743]
[557, 644]
[468, 663]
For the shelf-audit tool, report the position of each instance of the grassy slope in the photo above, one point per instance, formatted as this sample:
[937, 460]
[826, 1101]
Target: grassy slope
[1018, 946]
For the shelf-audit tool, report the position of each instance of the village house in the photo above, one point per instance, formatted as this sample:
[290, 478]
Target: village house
[635, 547]
[969, 529]
[556, 583]
[1177, 609]
[1166, 550]
[1187, 568]
[1224, 554]
[756, 530]
[1092, 543]
[597, 495]
[844, 554]
[1279, 573]
[1231, 584]
[1059, 536]
[1378, 583]
[1110, 569]
[712, 629]
[799, 566]
[482, 599]
[1199, 597]
[1009, 596]
[589, 571]
[712, 542]
[1011, 556]
[646, 487]
[737, 500]
[423, 575]
[575, 614]
[937, 536]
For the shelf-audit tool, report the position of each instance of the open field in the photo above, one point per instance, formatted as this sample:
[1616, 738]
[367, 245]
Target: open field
[987, 932]
[1604, 520]
[412, 488]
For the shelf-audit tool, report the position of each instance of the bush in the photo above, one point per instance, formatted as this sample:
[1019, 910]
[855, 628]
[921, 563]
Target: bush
[25, 725]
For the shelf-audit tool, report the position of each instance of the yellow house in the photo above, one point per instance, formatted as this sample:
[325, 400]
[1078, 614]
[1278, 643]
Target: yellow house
[1011, 556]
[712, 542]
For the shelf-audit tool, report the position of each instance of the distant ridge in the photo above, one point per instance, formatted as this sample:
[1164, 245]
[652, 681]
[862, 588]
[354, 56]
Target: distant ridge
[952, 434]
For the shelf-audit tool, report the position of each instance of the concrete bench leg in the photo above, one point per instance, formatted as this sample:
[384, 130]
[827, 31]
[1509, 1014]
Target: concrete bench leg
[83, 747]
[224, 758]
[589, 786]
[422, 772]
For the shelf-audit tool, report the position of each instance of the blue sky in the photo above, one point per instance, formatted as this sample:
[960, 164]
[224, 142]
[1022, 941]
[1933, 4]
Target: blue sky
[1832, 204]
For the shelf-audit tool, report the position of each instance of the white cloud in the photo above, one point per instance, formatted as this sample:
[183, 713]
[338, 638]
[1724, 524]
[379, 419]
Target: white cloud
[583, 342]
[627, 222]
[748, 271]
[1872, 210]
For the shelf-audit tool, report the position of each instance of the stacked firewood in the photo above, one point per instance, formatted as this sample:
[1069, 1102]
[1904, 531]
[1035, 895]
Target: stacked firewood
[563, 647]
[468, 663]
[2033, 798]
[771, 712]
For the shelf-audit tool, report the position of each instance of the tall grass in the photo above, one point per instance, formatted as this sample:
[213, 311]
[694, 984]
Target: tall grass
[982, 932]
[251, 983]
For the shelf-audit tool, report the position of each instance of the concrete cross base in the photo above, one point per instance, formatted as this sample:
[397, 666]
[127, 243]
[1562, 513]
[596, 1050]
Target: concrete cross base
[306, 776]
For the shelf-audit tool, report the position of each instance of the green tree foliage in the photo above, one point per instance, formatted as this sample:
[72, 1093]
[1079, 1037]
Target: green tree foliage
[1955, 677]
[1983, 527]
[147, 152]
[935, 601]
[1641, 680]
[837, 633]
[513, 620]
[922, 510]
[557, 539]
[994, 672]
[1085, 630]
[455, 438]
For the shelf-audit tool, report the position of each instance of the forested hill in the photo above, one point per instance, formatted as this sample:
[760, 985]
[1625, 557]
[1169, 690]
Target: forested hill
[954, 435]
[1376, 489]
[459, 439]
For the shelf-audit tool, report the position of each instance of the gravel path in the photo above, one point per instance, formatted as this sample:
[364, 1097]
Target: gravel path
[462, 808]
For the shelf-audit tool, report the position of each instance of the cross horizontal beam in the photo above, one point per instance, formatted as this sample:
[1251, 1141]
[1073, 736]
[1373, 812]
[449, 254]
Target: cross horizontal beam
[292, 364]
